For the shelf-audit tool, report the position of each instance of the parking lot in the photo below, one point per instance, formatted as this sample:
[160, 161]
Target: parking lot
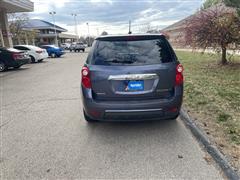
[44, 134]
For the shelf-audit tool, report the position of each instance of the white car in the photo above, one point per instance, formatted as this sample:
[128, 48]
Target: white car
[36, 54]
[65, 45]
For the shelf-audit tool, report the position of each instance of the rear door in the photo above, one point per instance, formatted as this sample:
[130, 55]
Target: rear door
[132, 68]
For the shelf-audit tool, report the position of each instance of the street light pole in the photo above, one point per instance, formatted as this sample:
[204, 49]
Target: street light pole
[76, 29]
[129, 31]
[56, 40]
[88, 35]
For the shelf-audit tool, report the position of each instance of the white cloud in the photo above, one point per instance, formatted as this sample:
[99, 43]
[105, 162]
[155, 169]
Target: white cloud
[113, 15]
[96, 28]
[43, 6]
[102, 1]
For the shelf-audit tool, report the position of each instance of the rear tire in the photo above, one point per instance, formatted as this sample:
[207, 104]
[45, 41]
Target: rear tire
[2, 67]
[87, 118]
[53, 55]
[32, 59]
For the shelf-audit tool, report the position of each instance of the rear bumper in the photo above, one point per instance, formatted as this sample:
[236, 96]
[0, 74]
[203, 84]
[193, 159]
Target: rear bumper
[132, 110]
[42, 56]
[60, 53]
[21, 62]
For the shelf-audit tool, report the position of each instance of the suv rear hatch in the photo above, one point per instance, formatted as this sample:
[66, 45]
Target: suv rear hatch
[132, 68]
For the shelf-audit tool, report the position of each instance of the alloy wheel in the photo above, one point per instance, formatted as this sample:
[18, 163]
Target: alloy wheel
[2, 67]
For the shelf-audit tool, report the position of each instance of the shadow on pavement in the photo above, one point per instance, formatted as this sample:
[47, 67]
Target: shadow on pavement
[104, 131]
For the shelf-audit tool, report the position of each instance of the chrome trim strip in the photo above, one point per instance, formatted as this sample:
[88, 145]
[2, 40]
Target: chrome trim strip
[133, 110]
[133, 77]
[100, 93]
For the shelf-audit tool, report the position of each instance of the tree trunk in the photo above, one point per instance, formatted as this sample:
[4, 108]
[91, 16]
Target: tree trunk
[224, 55]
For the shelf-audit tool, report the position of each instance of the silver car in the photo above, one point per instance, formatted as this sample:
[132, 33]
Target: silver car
[131, 78]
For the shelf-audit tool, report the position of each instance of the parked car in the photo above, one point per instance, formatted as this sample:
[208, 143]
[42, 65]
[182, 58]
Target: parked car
[10, 57]
[131, 77]
[72, 47]
[65, 45]
[79, 47]
[36, 54]
[53, 51]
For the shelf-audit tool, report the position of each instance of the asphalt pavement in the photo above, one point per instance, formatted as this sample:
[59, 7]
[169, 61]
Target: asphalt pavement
[44, 134]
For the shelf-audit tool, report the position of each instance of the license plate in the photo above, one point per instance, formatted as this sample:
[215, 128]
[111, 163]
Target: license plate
[135, 86]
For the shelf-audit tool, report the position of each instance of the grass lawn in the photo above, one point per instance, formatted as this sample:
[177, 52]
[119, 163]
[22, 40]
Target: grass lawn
[212, 95]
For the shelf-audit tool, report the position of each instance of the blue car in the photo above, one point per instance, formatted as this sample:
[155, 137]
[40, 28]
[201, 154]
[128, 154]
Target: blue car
[53, 51]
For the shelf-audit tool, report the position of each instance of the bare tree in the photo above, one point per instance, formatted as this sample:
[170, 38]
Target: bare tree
[230, 3]
[217, 28]
[16, 26]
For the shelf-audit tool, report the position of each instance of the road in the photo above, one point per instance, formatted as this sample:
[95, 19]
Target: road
[44, 134]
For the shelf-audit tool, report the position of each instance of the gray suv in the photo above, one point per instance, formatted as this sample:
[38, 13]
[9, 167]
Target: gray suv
[77, 47]
[131, 78]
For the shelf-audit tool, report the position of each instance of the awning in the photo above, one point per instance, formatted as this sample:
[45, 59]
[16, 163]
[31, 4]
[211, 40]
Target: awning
[13, 6]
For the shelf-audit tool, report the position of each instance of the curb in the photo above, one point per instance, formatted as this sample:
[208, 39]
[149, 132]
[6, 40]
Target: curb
[211, 149]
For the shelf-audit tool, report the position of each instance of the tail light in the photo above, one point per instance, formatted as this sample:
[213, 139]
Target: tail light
[172, 109]
[39, 51]
[179, 75]
[86, 82]
[17, 56]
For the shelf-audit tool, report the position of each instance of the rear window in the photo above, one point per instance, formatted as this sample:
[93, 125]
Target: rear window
[13, 50]
[21, 48]
[131, 52]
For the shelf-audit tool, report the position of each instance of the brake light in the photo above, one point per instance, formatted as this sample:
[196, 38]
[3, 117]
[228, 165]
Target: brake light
[172, 109]
[179, 75]
[86, 82]
[16, 56]
[39, 51]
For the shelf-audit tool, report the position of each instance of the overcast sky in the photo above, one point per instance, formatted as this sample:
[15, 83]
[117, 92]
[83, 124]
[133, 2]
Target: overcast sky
[113, 15]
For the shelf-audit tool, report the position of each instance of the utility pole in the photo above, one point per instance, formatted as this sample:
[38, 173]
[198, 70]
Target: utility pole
[129, 31]
[56, 40]
[75, 21]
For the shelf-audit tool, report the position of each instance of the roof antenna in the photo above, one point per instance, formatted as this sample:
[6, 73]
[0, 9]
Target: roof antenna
[129, 31]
